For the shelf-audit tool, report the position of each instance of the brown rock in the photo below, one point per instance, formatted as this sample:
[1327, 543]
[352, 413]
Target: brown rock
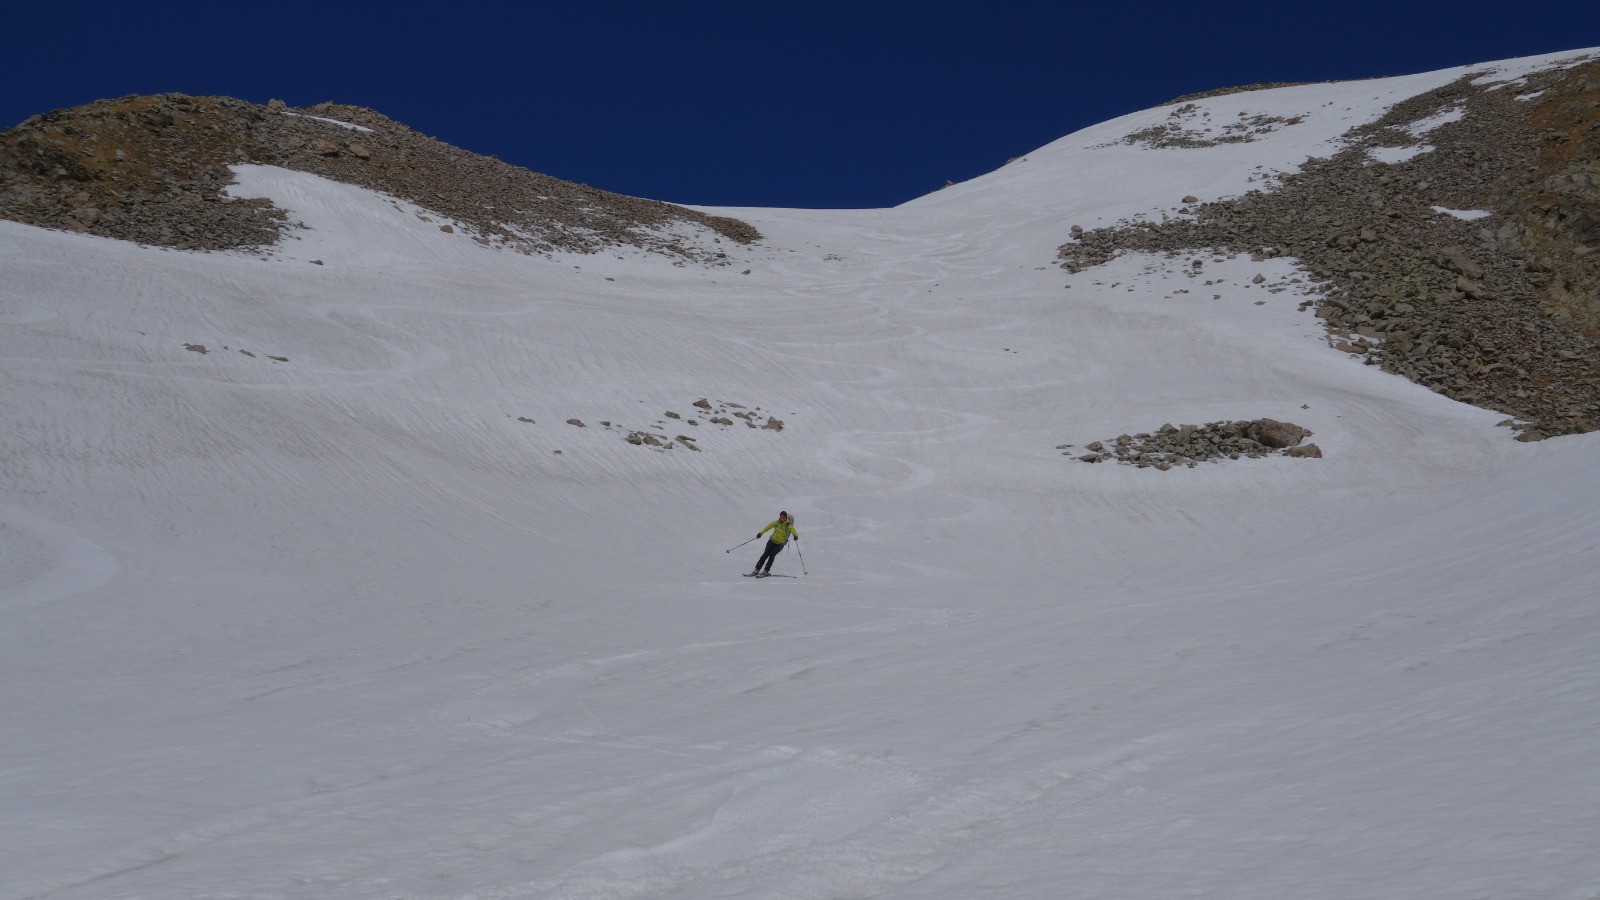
[1277, 435]
[1469, 287]
[1463, 264]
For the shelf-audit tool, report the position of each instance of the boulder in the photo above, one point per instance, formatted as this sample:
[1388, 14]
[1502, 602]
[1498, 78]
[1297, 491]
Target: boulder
[1277, 435]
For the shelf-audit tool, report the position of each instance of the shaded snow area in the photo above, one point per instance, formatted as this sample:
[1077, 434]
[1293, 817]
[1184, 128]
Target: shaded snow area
[342, 606]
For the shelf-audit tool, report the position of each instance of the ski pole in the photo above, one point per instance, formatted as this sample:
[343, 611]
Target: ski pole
[737, 546]
[802, 557]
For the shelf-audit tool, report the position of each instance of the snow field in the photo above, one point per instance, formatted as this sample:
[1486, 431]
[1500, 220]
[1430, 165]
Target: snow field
[344, 626]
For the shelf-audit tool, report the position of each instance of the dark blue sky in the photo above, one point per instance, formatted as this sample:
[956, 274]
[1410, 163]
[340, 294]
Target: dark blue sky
[818, 104]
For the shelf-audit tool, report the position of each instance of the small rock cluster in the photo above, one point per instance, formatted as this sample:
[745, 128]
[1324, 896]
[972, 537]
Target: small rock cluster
[645, 438]
[723, 413]
[720, 415]
[202, 350]
[1500, 312]
[1190, 445]
[152, 169]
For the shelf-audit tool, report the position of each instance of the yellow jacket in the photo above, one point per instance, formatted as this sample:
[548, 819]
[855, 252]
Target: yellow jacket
[780, 531]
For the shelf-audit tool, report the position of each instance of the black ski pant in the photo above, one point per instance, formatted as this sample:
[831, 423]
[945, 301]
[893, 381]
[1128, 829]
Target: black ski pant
[768, 555]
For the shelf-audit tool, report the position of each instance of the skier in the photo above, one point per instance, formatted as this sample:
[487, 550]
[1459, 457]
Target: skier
[782, 530]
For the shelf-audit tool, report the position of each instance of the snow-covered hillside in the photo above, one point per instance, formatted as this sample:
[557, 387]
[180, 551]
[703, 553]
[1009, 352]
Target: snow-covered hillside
[317, 613]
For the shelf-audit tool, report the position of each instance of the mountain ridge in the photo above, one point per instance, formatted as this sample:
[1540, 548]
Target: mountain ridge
[151, 169]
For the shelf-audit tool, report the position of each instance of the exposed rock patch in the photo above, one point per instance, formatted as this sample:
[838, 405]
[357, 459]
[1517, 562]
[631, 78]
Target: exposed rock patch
[1190, 126]
[1501, 311]
[152, 169]
[1190, 445]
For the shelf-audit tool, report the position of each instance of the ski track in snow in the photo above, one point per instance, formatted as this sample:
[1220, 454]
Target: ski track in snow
[343, 626]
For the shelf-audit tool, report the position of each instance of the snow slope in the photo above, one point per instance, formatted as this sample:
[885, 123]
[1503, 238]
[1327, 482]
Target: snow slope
[343, 626]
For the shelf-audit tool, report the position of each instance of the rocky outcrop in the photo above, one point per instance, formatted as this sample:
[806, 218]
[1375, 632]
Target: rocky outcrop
[1501, 311]
[152, 169]
[1190, 445]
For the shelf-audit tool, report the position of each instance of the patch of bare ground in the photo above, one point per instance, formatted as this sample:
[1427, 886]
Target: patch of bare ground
[152, 169]
[1471, 267]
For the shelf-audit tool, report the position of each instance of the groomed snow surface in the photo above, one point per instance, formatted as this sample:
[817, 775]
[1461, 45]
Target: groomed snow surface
[343, 626]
